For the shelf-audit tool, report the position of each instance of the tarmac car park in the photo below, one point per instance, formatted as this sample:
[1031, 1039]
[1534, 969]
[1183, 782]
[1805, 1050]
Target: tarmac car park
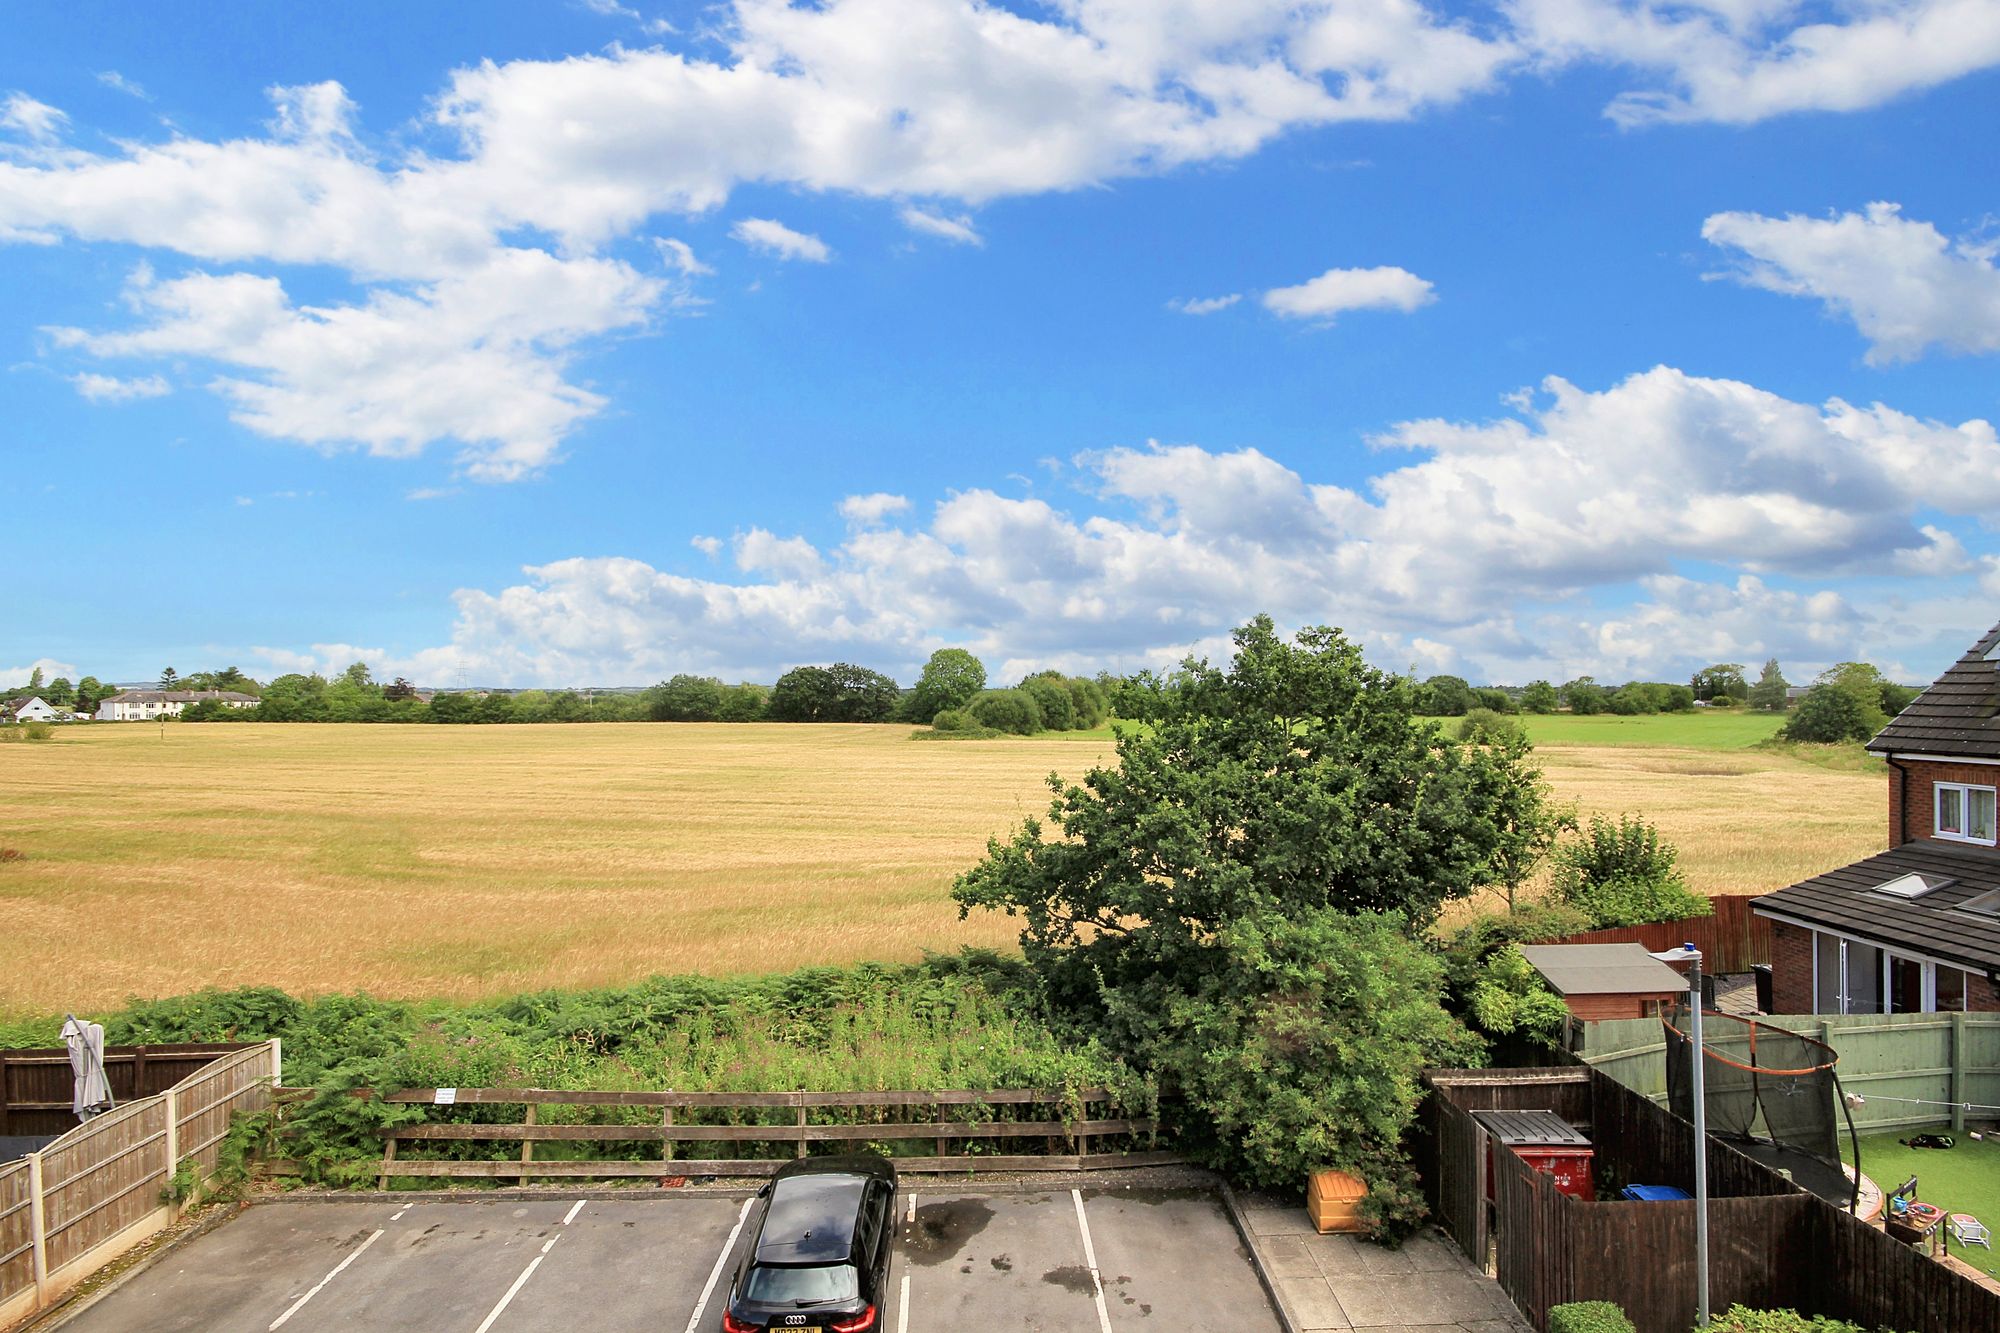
[1030, 1257]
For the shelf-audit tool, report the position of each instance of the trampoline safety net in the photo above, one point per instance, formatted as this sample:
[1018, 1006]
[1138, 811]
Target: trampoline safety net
[1766, 1088]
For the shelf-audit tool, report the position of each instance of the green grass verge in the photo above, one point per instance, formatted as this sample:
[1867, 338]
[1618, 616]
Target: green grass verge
[1964, 1179]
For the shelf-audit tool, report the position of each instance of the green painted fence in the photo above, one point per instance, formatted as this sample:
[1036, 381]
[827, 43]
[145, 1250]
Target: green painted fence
[1909, 1069]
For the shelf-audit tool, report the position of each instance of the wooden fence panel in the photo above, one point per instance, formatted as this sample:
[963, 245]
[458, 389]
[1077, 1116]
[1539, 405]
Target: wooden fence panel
[1460, 1184]
[17, 1260]
[796, 1131]
[1731, 940]
[1863, 1274]
[35, 1085]
[205, 1102]
[103, 1177]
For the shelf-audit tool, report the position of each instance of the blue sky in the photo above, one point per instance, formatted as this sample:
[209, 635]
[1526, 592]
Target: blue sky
[589, 343]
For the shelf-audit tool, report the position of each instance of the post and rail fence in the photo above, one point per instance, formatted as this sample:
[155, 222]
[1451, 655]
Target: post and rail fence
[797, 1132]
[107, 1185]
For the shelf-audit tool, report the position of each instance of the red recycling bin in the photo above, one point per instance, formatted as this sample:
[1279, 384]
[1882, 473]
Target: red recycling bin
[1545, 1141]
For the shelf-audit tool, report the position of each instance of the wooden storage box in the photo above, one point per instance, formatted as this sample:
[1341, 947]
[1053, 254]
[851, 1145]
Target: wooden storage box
[1333, 1201]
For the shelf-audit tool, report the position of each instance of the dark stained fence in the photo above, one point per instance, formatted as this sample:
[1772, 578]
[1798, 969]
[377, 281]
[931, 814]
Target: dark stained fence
[1731, 940]
[36, 1085]
[1771, 1244]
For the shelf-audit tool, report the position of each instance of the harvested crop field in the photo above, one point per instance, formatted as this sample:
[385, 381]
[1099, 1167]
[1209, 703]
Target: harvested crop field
[461, 862]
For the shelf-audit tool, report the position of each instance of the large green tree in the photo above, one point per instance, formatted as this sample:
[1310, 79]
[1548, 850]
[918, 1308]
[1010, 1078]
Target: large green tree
[842, 692]
[1194, 899]
[1724, 680]
[949, 680]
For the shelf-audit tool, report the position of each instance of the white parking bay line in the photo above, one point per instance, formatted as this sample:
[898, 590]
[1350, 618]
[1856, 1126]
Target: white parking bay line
[279, 1322]
[574, 1209]
[903, 1307]
[1090, 1259]
[708, 1288]
[519, 1283]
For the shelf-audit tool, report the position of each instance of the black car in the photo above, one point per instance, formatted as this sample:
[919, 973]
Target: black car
[818, 1260]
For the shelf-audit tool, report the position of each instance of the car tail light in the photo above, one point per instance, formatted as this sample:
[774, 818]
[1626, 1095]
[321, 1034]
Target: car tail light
[861, 1323]
[731, 1324]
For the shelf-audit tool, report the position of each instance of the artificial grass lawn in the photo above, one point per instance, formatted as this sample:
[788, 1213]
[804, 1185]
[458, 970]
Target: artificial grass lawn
[1964, 1179]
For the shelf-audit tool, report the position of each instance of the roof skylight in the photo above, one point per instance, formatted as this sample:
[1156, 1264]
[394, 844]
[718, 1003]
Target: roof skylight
[1912, 885]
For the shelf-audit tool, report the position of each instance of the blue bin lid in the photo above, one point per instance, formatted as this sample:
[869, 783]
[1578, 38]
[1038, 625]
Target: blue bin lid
[1654, 1193]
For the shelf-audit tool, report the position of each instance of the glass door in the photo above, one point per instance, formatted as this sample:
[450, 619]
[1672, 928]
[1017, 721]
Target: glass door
[1908, 989]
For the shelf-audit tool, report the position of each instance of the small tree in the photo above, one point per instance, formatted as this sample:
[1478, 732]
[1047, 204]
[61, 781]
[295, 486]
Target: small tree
[1769, 691]
[35, 681]
[396, 691]
[1623, 874]
[1446, 696]
[60, 692]
[1527, 821]
[169, 678]
[1584, 696]
[1724, 680]
[686, 699]
[1052, 696]
[949, 680]
[1844, 704]
[1540, 697]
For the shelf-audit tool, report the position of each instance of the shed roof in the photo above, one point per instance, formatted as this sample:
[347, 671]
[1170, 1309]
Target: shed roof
[1959, 715]
[1601, 969]
[1957, 921]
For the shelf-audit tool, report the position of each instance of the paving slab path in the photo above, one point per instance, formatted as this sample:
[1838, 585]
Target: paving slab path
[1334, 1284]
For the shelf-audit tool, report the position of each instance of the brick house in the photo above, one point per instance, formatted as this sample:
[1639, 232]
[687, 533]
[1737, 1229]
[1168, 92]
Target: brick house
[1916, 928]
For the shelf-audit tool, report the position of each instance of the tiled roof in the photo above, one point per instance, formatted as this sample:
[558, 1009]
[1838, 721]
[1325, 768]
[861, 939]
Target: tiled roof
[1958, 715]
[178, 697]
[1936, 924]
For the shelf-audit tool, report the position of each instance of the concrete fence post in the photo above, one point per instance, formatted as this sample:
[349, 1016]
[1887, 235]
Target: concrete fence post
[277, 1062]
[171, 1100]
[38, 1229]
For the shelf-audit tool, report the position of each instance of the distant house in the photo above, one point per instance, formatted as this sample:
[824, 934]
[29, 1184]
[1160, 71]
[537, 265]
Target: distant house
[35, 709]
[1601, 981]
[147, 705]
[1914, 929]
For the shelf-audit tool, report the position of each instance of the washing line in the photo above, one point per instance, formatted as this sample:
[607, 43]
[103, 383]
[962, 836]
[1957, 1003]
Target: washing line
[1857, 1099]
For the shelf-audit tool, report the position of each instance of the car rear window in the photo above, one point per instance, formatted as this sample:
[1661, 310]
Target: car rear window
[776, 1285]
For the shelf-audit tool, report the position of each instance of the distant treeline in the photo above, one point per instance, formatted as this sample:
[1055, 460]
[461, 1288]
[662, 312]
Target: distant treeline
[953, 683]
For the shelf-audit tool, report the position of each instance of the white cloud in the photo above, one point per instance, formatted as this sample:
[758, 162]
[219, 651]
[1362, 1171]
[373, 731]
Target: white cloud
[476, 358]
[117, 82]
[681, 255]
[789, 558]
[958, 229]
[708, 546]
[1904, 285]
[37, 121]
[14, 677]
[1340, 289]
[1742, 61]
[770, 237]
[1484, 553]
[1205, 305]
[865, 510]
[421, 493]
[111, 389]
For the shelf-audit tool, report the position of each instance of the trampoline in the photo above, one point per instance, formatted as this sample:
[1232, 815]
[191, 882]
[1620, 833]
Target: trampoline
[1771, 1094]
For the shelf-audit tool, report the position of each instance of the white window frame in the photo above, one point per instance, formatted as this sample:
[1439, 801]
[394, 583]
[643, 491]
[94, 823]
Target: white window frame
[1965, 791]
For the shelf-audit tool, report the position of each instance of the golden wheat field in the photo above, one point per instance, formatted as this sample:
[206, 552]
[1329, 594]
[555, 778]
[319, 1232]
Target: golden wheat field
[458, 862]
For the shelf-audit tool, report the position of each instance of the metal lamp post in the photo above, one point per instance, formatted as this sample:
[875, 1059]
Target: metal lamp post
[1699, 1092]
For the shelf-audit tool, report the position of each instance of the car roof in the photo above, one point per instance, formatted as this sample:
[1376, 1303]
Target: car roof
[815, 1205]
